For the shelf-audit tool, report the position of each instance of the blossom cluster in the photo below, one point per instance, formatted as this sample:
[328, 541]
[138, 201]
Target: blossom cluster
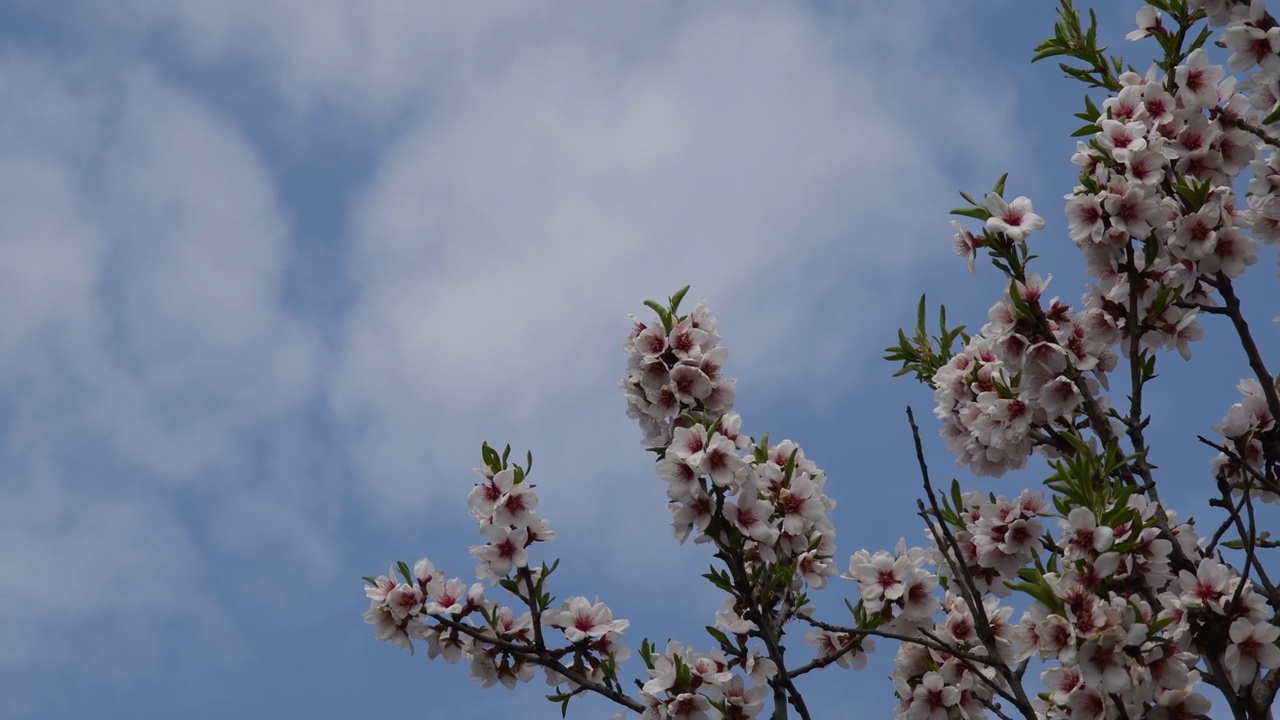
[996, 537]
[939, 681]
[1131, 611]
[767, 502]
[896, 587]
[503, 507]
[1118, 630]
[993, 539]
[1011, 378]
[456, 621]
[684, 685]
[674, 370]
[1160, 133]
[1157, 220]
[1246, 426]
[763, 505]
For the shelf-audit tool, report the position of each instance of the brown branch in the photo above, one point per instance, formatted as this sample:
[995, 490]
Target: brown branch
[1224, 287]
[541, 656]
[969, 589]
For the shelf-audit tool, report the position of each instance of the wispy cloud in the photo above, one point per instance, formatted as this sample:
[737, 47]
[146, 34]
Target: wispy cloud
[538, 173]
[744, 151]
[142, 346]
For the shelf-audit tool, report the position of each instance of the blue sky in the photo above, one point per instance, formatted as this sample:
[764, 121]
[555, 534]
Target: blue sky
[272, 271]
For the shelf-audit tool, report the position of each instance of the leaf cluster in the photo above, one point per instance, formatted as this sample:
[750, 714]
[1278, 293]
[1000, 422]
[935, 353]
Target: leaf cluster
[922, 354]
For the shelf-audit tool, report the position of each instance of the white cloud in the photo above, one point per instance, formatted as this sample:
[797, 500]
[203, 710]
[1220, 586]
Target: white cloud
[369, 59]
[143, 273]
[555, 169]
[786, 170]
[142, 345]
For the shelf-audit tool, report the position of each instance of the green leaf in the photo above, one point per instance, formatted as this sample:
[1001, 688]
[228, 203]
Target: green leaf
[720, 637]
[999, 188]
[404, 571]
[1015, 297]
[675, 299]
[490, 458]
[977, 213]
[646, 653]
[720, 579]
[790, 467]
[663, 316]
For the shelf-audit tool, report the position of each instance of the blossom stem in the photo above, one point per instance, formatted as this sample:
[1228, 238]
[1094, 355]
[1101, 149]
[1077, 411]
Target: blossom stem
[1225, 288]
[951, 551]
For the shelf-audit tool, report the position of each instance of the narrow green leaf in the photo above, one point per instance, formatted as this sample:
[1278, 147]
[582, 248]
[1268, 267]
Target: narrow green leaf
[978, 213]
[1272, 116]
[999, 189]
[719, 636]
[675, 299]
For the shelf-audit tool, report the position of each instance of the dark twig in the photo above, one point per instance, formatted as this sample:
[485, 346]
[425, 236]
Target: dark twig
[969, 589]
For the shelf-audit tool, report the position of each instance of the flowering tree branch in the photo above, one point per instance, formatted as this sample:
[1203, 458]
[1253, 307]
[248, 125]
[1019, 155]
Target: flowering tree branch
[1128, 611]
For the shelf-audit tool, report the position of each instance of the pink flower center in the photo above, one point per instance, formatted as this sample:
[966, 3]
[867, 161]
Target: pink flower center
[886, 578]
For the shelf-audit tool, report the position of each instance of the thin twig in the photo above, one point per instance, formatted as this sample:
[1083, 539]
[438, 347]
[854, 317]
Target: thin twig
[969, 589]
